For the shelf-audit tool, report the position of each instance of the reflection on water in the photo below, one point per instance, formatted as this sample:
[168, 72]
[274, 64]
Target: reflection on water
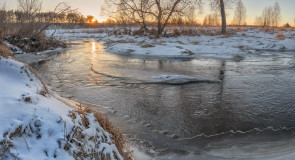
[255, 97]
[93, 47]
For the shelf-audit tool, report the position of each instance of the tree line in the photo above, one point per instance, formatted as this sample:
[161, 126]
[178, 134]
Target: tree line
[159, 14]
[147, 14]
[271, 16]
[12, 16]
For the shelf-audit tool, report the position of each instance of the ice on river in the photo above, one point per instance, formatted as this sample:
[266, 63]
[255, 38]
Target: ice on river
[181, 79]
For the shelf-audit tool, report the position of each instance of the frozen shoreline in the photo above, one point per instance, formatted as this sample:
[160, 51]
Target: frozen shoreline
[248, 41]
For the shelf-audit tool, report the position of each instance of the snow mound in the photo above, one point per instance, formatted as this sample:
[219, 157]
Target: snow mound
[14, 49]
[173, 77]
[180, 79]
[33, 126]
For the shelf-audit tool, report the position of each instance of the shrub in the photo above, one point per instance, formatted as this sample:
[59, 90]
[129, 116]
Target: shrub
[280, 36]
[287, 25]
[34, 43]
[4, 51]
[117, 137]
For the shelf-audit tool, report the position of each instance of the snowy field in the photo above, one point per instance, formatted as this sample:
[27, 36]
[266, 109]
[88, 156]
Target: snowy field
[35, 125]
[240, 42]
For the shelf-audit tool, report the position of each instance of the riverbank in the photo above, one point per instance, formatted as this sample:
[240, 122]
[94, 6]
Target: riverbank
[37, 125]
[203, 41]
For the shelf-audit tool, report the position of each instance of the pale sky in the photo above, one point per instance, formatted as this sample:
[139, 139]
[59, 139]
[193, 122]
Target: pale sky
[92, 7]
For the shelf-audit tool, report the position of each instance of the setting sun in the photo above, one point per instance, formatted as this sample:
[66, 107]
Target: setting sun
[100, 20]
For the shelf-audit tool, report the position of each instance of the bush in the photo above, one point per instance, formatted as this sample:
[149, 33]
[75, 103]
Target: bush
[30, 37]
[4, 51]
[287, 25]
[34, 43]
[117, 137]
[280, 36]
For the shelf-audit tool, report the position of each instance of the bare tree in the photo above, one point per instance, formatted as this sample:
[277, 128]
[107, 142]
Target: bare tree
[276, 17]
[267, 16]
[191, 15]
[2, 22]
[240, 14]
[258, 21]
[220, 5]
[159, 12]
[60, 11]
[164, 10]
[30, 8]
[124, 11]
[271, 16]
[89, 19]
[212, 19]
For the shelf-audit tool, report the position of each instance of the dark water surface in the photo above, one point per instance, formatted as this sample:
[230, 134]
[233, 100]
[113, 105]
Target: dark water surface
[253, 102]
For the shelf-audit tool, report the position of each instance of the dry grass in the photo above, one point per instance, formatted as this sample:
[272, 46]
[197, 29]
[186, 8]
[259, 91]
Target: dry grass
[207, 32]
[44, 90]
[29, 37]
[4, 51]
[19, 131]
[238, 29]
[280, 36]
[75, 137]
[274, 30]
[90, 31]
[34, 43]
[283, 29]
[106, 124]
[147, 46]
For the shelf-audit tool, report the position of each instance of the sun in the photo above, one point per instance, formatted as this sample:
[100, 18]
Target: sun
[100, 20]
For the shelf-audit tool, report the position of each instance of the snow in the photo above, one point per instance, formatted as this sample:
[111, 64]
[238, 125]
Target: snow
[15, 49]
[173, 77]
[35, 126]
[59, 49]
[180, 79]
[247, 41]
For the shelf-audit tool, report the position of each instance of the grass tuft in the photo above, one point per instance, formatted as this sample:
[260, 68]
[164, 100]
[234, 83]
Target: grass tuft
[280, 36]
[117, 137]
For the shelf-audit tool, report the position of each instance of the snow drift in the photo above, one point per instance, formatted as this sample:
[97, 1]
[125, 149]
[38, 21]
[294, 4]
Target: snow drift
[35, 125]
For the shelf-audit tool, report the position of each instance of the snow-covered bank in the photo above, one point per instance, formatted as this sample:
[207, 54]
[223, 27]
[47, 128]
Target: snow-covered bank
[35, 125]
[248, 40]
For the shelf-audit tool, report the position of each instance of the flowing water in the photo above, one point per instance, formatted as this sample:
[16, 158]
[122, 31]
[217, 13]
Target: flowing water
[248, 111]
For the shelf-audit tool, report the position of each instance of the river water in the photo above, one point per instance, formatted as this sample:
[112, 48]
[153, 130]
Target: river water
[248, 112]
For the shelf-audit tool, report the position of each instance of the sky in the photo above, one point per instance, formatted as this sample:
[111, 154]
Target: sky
[92, 7]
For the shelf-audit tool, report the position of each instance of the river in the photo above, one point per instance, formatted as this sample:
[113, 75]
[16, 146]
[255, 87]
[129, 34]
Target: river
[248, 112]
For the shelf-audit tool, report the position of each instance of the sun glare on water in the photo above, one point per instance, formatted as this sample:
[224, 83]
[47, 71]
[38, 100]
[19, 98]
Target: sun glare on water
[93, 47]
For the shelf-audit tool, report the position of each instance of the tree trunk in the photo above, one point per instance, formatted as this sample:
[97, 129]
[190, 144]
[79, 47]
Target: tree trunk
[159, 28]
[223, 17]
[159, 18]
